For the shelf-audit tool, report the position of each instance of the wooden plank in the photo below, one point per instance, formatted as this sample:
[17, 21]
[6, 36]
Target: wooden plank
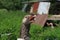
[34, 7]
[54, 17]
[41, 19]
[42, 16]
[36, 1]
[25, 5]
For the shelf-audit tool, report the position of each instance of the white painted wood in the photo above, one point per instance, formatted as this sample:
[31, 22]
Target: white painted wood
[23, 9]
[31, 10]
[43, 7]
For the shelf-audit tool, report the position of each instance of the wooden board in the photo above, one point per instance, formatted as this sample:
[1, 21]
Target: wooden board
[43, 7]
[42, 12]
[34, 7]
[23, 9]
[41, 19]
[54, 17]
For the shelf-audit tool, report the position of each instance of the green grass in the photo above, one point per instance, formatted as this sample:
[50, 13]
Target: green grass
[38, 33]
[10, 22]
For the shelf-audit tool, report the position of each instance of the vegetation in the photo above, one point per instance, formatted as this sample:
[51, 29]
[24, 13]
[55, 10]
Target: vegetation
[10, 22]
[54, 8]
[11, 4]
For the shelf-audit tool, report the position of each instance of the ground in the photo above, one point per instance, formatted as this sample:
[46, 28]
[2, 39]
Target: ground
[10, 22]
